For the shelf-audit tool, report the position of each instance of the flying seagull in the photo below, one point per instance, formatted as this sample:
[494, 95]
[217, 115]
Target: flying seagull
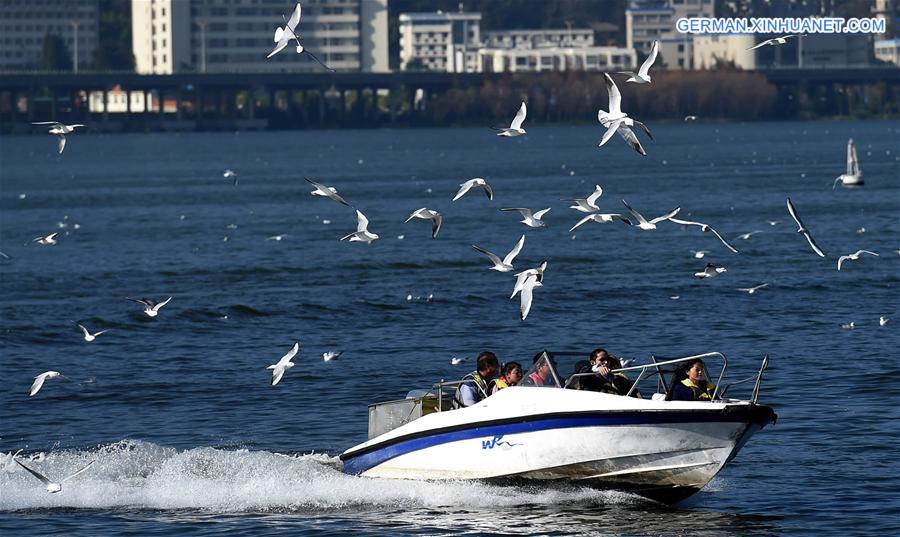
[588, 204]
[704, 228]
[642, 222]
[774, 41]
[521, 277]
[802, 229]
[151, 308]
[89, 337]
[456, 361]
[506, 264]
[526, 295]
[230, 174]
[326, 191]
[329, 356]
[643, 74]
[751, 290]
[529, 219]
[617, 121]
[690, 118]
[883, 320]
[699, 254]
[46, 240]
[472, 183]
[362, 233]
[746, 236]
[601, 218]
[60, 130]
[428, 214]
[711, 271]
[853, 257]
[51, 486]
[515, 128]
[283, 37]
[283, 364]
[39, 381]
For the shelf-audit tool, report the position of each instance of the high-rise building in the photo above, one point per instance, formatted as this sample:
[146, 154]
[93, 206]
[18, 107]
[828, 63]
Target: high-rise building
[654, 20]
[225, 36]
[25, 23]
[440, 41]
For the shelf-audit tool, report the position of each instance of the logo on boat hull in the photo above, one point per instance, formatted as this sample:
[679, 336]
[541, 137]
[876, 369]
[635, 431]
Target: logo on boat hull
[497, 440]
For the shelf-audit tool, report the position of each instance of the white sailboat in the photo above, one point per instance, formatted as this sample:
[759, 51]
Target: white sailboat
[853, 177]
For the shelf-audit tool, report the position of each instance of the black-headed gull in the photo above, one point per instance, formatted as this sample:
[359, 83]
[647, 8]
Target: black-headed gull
[601, 218]
[326, 191]
[151, 308]
[283, 37]
[802, 229]
[588, 204]
[53, 487]
[60, 130]
[528, 218]
[746, 236]
[642, 222]
[883, 320]
[527, 295]
[362, 233]
[46, 240]
[699, 254]
[428, 214]
[704, 228]
[456, 361]
[515, 128]
[755, 288]
[711, 271]
[521, 277]
[230, 174]
[39, 381]
[853, 257]
[330, 355]
[88, 336]
[617, 121]
[774, 41]
[690, 118]
[853, 177]
[506, 264]
[472, 183]
[643, 74]
[285, 363]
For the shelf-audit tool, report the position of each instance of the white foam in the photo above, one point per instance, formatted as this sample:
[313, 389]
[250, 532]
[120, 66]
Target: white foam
[139, 474]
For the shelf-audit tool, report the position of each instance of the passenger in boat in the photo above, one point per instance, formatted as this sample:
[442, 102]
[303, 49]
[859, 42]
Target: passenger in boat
[476, 384]
[511, 375]
[690, 383]
[540, 374]
[604, 380]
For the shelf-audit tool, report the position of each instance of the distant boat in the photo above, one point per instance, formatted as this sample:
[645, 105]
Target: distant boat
[853, 177]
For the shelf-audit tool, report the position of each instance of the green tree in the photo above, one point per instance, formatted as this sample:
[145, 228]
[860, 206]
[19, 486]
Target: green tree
[55, 55]
[114, 48]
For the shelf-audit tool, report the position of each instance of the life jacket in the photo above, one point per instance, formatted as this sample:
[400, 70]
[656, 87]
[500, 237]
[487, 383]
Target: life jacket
[501, 383]
[619, 384]
[701, 393]
[481, 388]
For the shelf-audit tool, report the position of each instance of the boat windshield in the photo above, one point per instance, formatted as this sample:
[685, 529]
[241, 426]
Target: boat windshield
[543, 373]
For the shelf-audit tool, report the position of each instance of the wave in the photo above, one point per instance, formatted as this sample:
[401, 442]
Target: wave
[138, 474]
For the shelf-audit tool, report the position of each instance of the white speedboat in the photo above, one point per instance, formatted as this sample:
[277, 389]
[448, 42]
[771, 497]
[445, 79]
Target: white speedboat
[853, 177]
[664, 450]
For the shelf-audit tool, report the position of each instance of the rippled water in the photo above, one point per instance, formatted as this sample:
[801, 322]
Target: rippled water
[190, 438]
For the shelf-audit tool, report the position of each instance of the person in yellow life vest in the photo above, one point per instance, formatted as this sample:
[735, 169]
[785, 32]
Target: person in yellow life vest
[690, 383]
[511, 375]
[476, 384]
[604, 380]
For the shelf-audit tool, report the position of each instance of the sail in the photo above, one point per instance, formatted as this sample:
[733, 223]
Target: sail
[852, 163]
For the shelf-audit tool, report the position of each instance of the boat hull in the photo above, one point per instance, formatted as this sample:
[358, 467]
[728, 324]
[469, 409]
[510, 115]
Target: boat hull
[850, 181]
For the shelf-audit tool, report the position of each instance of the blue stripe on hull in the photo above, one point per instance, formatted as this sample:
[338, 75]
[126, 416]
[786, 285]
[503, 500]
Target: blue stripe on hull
[357, 464]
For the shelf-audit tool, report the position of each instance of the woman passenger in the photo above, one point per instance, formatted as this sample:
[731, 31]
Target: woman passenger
[690, 383]
[511, 375]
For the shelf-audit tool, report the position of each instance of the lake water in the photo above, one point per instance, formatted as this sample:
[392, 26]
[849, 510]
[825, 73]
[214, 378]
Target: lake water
[190, 438]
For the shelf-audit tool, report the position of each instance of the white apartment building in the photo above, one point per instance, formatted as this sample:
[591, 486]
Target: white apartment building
[587, 58]
[714, 49]
[440, 41]
[25, 23]
[579, 37]
[234, 36]
[888, 50]
[654, 20]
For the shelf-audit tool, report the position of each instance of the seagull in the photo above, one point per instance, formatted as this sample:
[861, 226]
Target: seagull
[588, 204]
[883, 320]
[362, 233]
[698, 254]
[326, 191]
[329, 356]
[601, 218]
[617, 121]
[151, 308]
[802, 229]
[51, 486]
[277, 237]
[229, 174]
[853, 257]
[642, 222]
[39, 381]
[774, 41]
[746, 236]
[285, 363]
[283, 37]
[47, 240]
[711, 271]
[506, 264]
[849, 326]
[456, 361]
[773, 222]
[526, 296]
[521, 277]
[751, 290]
[428, 214]
[529, 219]
[87, 335]
[515, 128]
[690, 118]
[60, 130]
[704, 228]
[643, 74]
[471, 183]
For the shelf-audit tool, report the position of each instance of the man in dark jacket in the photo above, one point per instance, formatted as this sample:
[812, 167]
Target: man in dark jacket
[604, 380]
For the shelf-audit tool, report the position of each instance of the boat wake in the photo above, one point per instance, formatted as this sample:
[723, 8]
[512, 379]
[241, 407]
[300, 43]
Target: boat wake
[141, 475]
